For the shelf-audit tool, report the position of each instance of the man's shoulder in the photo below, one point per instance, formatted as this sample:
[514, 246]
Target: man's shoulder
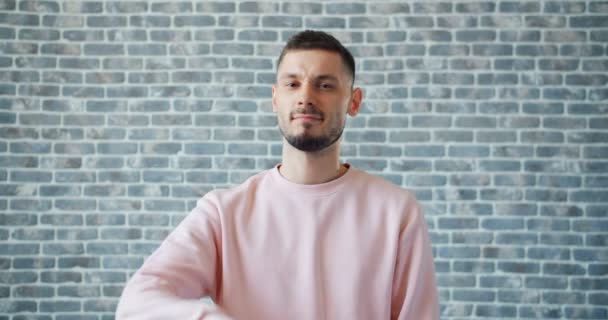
[239, 191]
[380, 186]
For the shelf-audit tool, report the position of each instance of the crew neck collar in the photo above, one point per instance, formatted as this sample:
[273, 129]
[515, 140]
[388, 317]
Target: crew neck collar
[319, 189]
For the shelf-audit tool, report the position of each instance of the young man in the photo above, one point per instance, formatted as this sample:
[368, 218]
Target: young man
[310, 238]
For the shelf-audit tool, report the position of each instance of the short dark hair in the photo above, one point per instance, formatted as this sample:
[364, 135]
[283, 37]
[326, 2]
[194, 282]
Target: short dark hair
[310, 40]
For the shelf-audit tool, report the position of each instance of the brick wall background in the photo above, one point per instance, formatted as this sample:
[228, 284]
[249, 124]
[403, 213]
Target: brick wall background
[116, 116]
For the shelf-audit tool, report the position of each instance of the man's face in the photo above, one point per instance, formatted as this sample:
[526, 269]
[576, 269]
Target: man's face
[312, 96]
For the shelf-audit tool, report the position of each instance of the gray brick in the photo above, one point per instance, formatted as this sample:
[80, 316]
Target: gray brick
[503, 224]
[238, 21]
[85, 35]
[500, 194]
[148, 191]
[194, 163]
[105, 77]
[234, 163]
[567, 7]
[106, 248]
[517, 238]
[100, 305]
[32, 291]
[127, 92]
[118, 176]
[527, 296]
[587, 137]
[519, 7]
[232, 48]
[324, 22]
[122, 262]
[507, 22]
[368, 22]
[104, 49]
[453, 165]
[255, 35]
[171, 7]
[36, 90]
[258, 7]
[475, 35]
[149, 219]
[19, 306]
[78, 291]
[439, 7]
[455, 107]
[171, 35]
[213, 7]
[598, 36]
[30, 34]
[247, 149]
[138, 49]
[424, 151]
[162, 176]
[8, 5]
[79, 63]
[20, 19]
[596, 182]
[581, 50]
[147, 162]
[430, 36]
[453, 136]
[564, 36]
[281, 22]
[164, 205]
[473, 266]
[82, 92]
[26, 147]
[546, 283]
[588, 21]
[31, 176]
[495, 311]
[468, 151]
[210, 91]
[585, 313]
[150, 21]
[149, 78]
[473, 295]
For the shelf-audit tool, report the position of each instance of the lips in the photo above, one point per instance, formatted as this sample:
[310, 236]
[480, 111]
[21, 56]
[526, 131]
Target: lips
[309, 117]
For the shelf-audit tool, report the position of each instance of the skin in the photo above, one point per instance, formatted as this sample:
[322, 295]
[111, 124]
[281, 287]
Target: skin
[311, 98]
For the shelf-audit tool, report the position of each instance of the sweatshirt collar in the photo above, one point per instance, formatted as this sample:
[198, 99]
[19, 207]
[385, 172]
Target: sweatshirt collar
[320, 189]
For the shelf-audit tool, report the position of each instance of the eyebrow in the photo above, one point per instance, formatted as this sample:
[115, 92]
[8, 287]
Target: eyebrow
[320, 77]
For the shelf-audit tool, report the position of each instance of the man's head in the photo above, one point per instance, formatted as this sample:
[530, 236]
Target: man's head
[314, 90]
[318, 40]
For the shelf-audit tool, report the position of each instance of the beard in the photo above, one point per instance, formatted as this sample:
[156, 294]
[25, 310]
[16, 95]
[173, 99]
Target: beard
[308, 143]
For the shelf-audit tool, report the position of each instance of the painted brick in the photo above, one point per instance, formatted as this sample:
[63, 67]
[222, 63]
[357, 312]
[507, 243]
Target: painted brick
[491, 113]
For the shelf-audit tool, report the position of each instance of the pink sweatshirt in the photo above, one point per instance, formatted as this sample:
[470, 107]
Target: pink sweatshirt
[356, 247]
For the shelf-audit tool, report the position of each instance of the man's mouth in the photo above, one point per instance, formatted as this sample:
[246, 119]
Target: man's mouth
[309, 117]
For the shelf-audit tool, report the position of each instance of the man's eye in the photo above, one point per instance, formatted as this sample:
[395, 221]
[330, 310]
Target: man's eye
[290, 84]
[325, 86]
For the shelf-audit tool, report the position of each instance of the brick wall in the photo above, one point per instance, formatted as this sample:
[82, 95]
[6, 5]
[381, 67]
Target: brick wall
[116, 116]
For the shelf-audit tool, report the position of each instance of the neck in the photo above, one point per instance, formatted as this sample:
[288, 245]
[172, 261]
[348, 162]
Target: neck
[311, 167]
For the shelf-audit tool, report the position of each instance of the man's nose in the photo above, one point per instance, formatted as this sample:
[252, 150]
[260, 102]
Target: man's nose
[306, 95]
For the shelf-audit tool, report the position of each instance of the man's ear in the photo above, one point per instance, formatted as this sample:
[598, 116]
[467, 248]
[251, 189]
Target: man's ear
[355, 102]
[274, 101]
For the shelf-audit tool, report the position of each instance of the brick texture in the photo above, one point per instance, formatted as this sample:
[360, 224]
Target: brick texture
[115, 116]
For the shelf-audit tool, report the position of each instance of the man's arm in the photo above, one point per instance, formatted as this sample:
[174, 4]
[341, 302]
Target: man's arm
[185, 267]
[414, 286]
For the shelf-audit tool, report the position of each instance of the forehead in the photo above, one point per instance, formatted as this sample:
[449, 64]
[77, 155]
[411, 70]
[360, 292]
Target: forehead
[311, 62]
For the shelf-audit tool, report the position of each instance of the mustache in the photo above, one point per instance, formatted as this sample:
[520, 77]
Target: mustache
[310, 111]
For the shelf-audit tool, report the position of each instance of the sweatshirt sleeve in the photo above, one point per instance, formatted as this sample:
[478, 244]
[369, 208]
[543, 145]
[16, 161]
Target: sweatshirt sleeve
[414, 288]
[185, 268]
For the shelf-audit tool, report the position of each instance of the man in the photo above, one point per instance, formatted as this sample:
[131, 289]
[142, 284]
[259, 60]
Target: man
[310, 238]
